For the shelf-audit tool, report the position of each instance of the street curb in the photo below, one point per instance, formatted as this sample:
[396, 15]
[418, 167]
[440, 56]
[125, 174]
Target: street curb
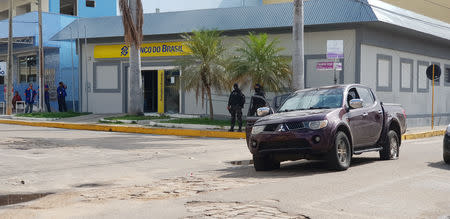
[128, 129]
[419, 135]
[173, 131]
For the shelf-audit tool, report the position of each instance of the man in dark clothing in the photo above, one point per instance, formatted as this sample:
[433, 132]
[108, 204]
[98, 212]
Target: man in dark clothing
[30, 94]
[257, 100]
[15, 99]
[61, 90]
[47, 98]
[235, 104]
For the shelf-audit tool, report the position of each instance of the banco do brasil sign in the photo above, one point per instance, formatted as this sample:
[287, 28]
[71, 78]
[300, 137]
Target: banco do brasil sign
[147, 50]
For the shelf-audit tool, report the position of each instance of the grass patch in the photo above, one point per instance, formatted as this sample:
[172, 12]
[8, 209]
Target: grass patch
[202, 121]
[52, 114]
[134, 117]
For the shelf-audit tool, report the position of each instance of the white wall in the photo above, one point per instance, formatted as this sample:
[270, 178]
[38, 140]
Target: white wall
[315, 44]
[415, 103]
[93, 101]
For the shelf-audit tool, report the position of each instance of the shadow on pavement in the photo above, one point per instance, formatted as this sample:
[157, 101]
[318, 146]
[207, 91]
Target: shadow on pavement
[291, 169]
[439, 165]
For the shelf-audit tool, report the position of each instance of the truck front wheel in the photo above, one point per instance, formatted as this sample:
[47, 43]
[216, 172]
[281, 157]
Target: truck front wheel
[391, 147]
[265, 163]
[340, 155]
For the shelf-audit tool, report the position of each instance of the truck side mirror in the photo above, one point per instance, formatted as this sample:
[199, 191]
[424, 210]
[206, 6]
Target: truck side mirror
[356, 103]
[263, 111]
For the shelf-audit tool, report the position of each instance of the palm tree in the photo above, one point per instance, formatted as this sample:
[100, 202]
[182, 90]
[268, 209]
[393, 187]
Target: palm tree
[259, 62]
[204, 69]
[133, 20]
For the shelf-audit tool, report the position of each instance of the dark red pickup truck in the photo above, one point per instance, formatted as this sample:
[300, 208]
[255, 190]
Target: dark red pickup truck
[331, 123]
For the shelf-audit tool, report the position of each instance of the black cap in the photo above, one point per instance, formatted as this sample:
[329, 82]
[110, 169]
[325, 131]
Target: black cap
[235, 86]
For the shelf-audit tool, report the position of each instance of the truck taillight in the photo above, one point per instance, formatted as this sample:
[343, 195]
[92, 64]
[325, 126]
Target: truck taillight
[404, 113]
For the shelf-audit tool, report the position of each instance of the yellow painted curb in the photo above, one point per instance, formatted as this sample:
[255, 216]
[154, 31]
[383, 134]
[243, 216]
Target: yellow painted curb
[170, 131]
[419, 135]
[128, 129]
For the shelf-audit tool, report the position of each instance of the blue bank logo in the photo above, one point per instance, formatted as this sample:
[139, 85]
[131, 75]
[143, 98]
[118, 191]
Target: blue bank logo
[124, 51]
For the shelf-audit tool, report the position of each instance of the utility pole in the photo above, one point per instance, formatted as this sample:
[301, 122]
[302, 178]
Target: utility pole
[41, 60]
[136, 98]
[9, 84]
[298, 58]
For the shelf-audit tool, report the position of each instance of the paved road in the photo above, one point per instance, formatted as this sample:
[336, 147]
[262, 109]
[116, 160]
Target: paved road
[116, 175]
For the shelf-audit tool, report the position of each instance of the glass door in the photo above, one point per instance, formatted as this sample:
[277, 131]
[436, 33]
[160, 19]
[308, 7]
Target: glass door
[172, 91]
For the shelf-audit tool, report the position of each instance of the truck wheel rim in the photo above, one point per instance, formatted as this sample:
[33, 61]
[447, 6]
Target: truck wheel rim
[393, 147]
[342, 151]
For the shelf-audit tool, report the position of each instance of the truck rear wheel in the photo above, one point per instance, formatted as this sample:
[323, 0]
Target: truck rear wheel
[265, 163]
[391, 147]
[340, 155]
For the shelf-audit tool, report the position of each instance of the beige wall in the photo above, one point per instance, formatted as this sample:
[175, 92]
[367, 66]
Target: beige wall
[18, 7]
[439, 10]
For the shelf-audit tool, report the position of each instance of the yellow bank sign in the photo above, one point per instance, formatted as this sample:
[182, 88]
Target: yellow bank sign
[147, 50]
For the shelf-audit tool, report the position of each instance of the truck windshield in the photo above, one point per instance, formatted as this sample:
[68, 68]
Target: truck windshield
[314, 99]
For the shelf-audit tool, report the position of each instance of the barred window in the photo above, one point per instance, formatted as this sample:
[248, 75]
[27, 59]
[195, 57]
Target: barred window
[27, 69]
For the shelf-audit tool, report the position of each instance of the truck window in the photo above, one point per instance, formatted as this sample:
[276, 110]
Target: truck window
[352, 94]
[366, 96]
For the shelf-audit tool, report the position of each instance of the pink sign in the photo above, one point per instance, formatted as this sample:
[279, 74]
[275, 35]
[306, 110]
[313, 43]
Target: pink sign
[323, 66]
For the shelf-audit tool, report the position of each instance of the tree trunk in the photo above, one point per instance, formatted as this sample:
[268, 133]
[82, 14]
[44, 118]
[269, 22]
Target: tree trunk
[298, 65]
[211, 111]
[135, 98]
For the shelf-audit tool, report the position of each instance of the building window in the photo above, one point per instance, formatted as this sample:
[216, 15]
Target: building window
[406, 75]
[106, 77]
[384, 73]
[27, 69]
[422, 80]
[446, 72]
[90, 3]
[68, 7]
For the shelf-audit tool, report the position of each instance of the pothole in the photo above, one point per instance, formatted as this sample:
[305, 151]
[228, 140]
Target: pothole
[241, 162]
[20, 198]
[202, 209]
[90, 185]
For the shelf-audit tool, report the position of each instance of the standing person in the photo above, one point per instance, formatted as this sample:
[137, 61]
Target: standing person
[15, 99]
[235, 104]
[30, 94]
[62, 97]
[47, 98]
[258, 100]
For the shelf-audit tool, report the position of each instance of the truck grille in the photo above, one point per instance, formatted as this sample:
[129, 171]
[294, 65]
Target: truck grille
[295, 125]
[292, 144]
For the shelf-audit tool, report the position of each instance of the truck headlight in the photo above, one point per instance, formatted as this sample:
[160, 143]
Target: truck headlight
[315, 125]
[257, 129]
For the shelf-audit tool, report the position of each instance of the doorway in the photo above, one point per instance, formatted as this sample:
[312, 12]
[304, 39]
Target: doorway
[150, 84]
[172, 91]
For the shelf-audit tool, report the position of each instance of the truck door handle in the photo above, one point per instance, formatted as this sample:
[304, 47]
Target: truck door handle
[380, 112]
[365, 114]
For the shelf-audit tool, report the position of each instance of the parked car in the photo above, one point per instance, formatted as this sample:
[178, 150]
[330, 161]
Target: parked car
[447, 146]
[332, 123]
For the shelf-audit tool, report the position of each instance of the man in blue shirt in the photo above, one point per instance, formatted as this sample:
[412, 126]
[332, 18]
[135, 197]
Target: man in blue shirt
[30, 94]
[62, 97]
[47, 98]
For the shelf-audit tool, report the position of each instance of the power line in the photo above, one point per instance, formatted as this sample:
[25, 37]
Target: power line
[438, 4]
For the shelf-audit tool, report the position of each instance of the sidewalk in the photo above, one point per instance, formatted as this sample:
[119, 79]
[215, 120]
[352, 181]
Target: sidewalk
[91, 122]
